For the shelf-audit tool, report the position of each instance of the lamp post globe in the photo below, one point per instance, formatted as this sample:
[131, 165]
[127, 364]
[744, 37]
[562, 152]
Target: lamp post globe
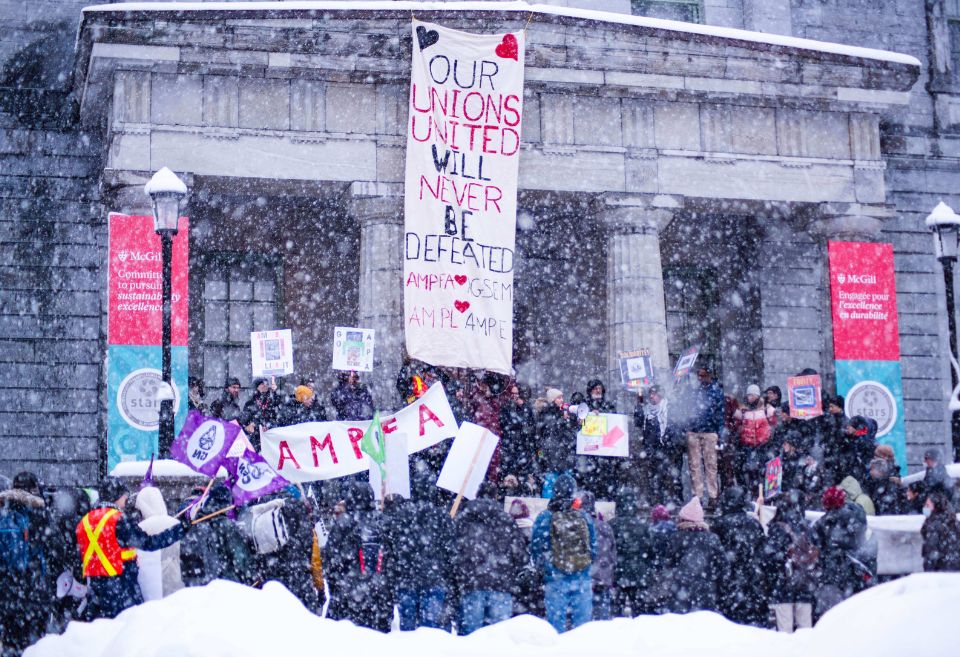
[166, 193]
[944, 223]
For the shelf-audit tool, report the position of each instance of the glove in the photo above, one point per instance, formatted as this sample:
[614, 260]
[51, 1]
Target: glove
[186, 523]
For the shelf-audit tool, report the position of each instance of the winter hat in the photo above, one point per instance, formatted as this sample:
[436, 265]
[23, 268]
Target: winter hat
[553, 394]
[659, 513]
[519, 509]
[302, 393]
[26, 481]
[753, 389]
[564, 487]
[692, 511]
[884, 452]
[257, 381]
[932, 455]
[112, 489]
[231, 381]
[833, 498]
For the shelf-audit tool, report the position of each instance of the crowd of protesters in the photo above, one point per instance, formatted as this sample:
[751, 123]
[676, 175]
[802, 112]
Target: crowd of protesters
[685, 535]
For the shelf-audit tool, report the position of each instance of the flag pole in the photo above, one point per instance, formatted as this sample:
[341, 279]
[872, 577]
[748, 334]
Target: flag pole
[466, 477]
[215, 514]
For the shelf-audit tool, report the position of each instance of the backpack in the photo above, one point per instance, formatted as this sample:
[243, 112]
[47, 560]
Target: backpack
[264, 526]
[570, 541]
[802, 558]
[14, 541]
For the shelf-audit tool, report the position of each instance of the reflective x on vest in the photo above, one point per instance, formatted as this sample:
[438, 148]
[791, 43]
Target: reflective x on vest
[110, 556]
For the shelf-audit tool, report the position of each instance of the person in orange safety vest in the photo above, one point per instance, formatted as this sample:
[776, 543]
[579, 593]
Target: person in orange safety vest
[108, 542]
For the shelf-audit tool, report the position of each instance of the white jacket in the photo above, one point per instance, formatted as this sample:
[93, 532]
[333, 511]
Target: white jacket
[159, 570]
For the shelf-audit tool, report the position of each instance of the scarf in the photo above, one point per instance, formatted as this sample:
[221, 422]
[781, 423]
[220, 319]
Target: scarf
[657, 412]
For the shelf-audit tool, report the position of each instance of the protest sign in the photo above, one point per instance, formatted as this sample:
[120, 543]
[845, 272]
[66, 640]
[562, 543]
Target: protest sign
[251, 477]
[805, 396]
[685, 363]
[396, 466]
[636, 369]
[467, 461]
[773, 478]
[271, 352]
[353, 349]
[604, 434]
[325, 450]
[134, 321]
[460, 200]
[204, 442]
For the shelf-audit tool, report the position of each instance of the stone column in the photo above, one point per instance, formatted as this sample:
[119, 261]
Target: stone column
[636, 310]
[381, 289]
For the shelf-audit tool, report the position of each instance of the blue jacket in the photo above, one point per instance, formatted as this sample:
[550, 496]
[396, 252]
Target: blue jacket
[541, 548]
[707, 414]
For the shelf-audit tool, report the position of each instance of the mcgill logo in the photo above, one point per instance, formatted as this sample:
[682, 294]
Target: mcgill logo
[861, 279]
[138, 256]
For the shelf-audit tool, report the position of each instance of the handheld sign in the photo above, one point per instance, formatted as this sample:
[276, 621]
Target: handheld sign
[636, 369]
[271, 352]
[396, 467]
[604, 434]
[804, 393]
[773, 478]
[685, 363]
[467, 462]
[353, 349]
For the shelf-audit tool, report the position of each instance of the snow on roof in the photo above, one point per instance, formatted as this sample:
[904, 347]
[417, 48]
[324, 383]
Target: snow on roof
[521, 7]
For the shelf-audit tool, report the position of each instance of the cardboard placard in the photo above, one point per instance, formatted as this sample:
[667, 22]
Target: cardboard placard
[805, 396]
[468, 459]
[636, 369]
[353, 349]
[271, 352]
[604, 434]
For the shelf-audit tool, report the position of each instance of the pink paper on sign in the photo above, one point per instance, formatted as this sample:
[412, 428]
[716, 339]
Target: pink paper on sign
[612, 438]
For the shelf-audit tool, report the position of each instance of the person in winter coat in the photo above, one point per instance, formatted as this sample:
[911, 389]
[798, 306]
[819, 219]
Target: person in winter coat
[659, 593]
[159, 571]
[703, 434]
[632, 543]
[855, 495]
[261, 411]
[108, 540]
[883, 487]
[563, 548]
[791, 561]
[353, 562]
[417, 543]
[697, 562]
[304, 407]
[941, 533]
[557, 431]
[849, 454]
[936, 473]
[489, 555]
[756, 421]
[840, 535]
[227, 406]
[66, 506]
[351, 399]
[216, 549]
[596, 398]
[25, 591]
[742, 591]
[656, 451]
[605, 563]
[518, 440]
[292, 565]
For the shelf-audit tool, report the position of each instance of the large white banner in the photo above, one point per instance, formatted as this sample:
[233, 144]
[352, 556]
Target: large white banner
[463, 149]
[325, 450]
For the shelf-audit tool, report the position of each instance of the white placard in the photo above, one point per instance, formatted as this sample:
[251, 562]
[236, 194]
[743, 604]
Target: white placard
[353, 349]
[398, 468]
[271, 352]
[460, 196]
[468, 460]
[604, 434]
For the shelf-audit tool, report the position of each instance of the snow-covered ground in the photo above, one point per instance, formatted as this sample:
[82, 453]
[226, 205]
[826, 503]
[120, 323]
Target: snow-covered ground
[914, 616]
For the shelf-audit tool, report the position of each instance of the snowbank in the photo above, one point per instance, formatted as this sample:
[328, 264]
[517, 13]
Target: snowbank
[911, 616]
[521, 7]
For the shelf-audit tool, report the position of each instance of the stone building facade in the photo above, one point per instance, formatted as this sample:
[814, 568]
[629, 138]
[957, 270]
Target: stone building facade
[678, 184]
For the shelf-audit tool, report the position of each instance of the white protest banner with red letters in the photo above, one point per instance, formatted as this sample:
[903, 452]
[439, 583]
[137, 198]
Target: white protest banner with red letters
[460, 196]
[325, 450]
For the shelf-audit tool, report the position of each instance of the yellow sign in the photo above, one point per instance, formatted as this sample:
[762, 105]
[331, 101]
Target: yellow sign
[594, 425]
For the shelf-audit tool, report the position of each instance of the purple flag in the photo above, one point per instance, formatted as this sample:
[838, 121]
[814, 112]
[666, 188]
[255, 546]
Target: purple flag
[148, 475]
[251, 477]
[203, 443]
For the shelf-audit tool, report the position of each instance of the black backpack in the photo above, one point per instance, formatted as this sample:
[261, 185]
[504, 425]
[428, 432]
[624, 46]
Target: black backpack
[803, 558]
[570, 541]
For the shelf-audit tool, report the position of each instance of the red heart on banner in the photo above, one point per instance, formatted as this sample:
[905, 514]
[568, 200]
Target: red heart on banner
[508, 48]
[461, 305]
[460, 279]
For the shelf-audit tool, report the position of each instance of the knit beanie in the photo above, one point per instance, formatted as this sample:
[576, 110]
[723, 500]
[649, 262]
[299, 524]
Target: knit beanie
[692, 511]
[553, 394]
[753, 389]
[302, 393]
[833, 498]
[659, 513]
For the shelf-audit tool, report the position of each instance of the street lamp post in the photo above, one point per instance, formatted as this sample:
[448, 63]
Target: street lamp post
[945, 224]
[166, 192]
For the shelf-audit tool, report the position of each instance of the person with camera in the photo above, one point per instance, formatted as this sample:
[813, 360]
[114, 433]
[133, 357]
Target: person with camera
[557, 430]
